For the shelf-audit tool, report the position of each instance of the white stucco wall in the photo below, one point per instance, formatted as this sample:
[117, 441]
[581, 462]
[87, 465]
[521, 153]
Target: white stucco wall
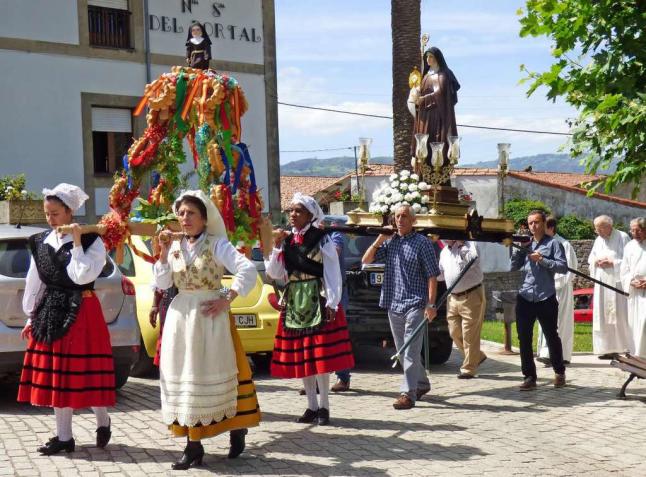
[564, 202]
[236, 33]
[44, 20]
[43, 135]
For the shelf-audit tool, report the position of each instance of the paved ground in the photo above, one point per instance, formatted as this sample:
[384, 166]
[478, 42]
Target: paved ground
[478, 427]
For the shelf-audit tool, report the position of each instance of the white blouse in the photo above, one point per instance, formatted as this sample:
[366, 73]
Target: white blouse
[84, 267]
[332, 279]
[225, 254]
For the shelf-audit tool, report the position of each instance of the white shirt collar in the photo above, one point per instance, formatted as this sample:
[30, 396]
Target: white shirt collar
[197, 41]
[301, 231]
[57, 242]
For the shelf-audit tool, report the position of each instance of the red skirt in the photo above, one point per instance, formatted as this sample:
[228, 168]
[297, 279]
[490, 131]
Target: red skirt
[74, 371]
[327, 350]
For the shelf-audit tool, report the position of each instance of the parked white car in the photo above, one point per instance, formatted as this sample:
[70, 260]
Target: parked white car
[115, 292]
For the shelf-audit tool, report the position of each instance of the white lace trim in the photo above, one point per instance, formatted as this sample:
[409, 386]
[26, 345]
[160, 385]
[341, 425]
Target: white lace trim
[189, 419]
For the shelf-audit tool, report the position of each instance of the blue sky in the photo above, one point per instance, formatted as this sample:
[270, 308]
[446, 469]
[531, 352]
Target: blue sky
[337, 54]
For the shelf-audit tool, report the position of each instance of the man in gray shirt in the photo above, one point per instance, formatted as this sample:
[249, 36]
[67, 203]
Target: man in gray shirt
[540, 259]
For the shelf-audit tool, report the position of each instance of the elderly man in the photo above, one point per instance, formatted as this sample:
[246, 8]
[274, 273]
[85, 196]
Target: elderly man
[467, 303]
[610, 332]
[408, 293]
[565, 296]
[540, 259]
[633, 278]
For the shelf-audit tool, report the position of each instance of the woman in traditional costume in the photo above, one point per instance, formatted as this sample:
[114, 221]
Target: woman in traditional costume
[205, 379]
[68, 363]
[312, 339]
[198, 47]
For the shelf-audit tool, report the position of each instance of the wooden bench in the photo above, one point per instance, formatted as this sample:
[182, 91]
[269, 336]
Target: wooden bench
[631, 364]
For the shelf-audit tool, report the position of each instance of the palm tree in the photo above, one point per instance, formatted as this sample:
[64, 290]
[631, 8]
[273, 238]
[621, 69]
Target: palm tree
[405, 27]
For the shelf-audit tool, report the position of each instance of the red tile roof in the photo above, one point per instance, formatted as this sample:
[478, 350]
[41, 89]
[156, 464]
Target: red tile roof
[310, 185]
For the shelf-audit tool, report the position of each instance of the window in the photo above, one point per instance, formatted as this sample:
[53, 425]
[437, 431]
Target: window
[128, 266]
[111, 137]
[109, 23]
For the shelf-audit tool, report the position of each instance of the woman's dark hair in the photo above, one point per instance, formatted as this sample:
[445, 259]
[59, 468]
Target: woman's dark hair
[53, 198]
[205, 35]
[443, 68]
[195, 202]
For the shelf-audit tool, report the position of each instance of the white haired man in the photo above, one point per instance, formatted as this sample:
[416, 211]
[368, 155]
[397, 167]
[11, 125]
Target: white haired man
[633, 277]
[610, 332]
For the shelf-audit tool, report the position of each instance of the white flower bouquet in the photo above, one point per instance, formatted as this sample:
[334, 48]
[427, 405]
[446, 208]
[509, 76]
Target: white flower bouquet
[403, 189]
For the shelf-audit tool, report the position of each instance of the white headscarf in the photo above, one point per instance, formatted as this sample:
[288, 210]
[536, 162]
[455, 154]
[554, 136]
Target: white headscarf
[214, 223]
[311, 205]
[71, 195]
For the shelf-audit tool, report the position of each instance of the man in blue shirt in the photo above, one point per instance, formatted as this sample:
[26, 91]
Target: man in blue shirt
[540, 259]
[408, 293]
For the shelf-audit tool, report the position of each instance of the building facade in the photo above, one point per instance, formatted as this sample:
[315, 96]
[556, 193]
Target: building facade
[73, 71]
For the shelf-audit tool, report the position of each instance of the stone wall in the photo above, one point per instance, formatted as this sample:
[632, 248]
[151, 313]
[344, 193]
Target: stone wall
[582, 249]
[499, 281]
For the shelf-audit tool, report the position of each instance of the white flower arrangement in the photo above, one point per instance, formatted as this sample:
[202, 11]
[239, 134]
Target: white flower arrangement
[403, 188]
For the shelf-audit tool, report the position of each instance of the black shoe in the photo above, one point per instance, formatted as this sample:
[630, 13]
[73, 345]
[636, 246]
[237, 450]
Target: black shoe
[609, 356]
[237, 440]
[193, 455]
[54, 446]
[103, 435]
[308, 416]
[545, 361]
[323, 417]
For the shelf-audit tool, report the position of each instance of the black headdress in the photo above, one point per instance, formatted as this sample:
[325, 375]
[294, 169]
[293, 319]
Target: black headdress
[443, 68]
[205, 35]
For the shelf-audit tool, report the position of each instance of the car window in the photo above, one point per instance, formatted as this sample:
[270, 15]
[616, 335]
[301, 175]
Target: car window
[108, 268]
[14, 258]
[581, 302]
[256, 254]
[356, 246]
[127, 267]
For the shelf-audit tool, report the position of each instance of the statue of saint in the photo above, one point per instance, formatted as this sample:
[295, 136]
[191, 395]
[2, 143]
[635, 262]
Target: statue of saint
[198, 47]
[433, 102]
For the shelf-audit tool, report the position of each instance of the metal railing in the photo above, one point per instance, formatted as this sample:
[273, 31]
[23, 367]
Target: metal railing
[109, 27]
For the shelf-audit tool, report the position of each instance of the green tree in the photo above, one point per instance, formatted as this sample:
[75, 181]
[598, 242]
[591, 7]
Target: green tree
[599, 50]
[572, 227]
[518, 209]
[405, 30]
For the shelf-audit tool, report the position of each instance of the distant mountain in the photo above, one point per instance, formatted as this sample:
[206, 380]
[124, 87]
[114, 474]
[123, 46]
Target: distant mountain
[331, 167]
[338, 166]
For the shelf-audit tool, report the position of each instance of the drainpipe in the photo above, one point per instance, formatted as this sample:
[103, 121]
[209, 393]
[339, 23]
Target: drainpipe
[147, 40]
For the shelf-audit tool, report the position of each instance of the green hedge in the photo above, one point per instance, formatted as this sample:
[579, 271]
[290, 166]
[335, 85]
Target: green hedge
[518, 209]
[572, 227]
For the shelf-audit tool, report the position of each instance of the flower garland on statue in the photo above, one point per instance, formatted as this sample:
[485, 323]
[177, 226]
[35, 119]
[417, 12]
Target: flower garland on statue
[403, 189]
[206, 108]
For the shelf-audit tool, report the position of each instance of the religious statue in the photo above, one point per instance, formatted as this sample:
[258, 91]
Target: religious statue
[198, 47]
[432, 103]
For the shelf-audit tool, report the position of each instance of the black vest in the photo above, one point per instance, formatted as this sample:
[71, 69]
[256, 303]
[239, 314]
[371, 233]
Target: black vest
[296, 258]
[60, 303]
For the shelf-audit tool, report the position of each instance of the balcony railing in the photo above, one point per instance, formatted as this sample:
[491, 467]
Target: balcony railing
[109, 27]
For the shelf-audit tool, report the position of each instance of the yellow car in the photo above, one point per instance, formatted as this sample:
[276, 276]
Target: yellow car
[256, 314]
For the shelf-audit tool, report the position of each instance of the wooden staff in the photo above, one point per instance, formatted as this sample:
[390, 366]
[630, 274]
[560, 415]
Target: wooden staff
[171, 237]
[85, 229]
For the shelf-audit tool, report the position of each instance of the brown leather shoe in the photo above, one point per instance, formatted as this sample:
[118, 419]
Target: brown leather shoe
[421, 392]
[559, 380]
[403, 402]
[340, 387]
[529, 384]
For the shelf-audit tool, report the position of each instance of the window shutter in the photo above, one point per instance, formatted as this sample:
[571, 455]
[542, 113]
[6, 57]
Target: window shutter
[112, 120]
[116, 4]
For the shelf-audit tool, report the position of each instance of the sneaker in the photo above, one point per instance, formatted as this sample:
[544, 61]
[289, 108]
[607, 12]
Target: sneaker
[403, 402]
[465, 376]
[559, 380]
[529, 384]
[340, 386]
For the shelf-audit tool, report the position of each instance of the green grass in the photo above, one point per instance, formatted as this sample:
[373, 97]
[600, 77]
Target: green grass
[494, 331]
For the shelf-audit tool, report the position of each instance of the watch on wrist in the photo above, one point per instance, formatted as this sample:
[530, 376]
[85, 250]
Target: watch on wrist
[431, 305]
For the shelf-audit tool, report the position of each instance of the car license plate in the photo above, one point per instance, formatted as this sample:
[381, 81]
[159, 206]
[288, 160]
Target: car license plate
[376, 278]
[245, 321]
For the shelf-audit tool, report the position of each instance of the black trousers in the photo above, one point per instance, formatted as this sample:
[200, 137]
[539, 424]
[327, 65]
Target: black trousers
[547, 313]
